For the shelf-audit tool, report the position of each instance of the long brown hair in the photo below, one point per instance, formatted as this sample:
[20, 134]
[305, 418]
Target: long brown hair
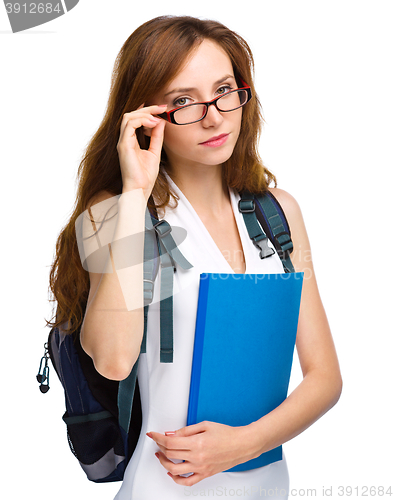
[148, 61]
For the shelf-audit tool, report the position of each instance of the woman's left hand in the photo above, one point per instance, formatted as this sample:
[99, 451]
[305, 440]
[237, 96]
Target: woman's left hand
[207, 448]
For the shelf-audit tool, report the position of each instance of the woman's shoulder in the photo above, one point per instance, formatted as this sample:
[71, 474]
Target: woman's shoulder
[288, 203]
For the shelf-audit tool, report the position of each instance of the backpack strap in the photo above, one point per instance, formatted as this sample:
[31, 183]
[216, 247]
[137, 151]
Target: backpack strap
[158, 242]
[169, 255]
[264, 211]
[278, 227]
[166, 303]
[150, 270]
[247, 207]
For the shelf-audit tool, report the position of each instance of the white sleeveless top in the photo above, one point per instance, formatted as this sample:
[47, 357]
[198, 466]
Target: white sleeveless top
[164, 387]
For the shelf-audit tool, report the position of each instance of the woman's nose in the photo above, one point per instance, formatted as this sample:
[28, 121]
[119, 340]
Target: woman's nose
[213, 117]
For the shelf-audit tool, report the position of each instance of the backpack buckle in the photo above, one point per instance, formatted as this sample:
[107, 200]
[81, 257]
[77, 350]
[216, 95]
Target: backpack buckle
[262, 245]
[284, 241]
[162, 228]
[148, 291]
[246, 206]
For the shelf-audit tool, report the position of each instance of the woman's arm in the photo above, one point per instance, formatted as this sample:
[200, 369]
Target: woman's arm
[321, 386]
[112, 329]
[208, 447]
[113, 326]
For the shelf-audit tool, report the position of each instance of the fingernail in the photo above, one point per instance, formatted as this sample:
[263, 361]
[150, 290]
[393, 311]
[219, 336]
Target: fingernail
[170, 433]
[149, 435]
[162, 105]
[157, 455]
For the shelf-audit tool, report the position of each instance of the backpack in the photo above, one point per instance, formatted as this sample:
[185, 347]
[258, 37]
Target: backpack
[103, 417]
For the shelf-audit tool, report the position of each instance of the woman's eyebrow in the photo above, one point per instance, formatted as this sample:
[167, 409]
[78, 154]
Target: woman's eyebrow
[190, 89]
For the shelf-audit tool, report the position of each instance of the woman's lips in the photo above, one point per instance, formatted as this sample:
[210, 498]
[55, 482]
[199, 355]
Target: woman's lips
[216, 141]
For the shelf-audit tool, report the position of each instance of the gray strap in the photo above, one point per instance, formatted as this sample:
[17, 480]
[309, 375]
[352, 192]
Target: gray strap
[163, 230]
[169, 254]
[149, 271]
[149, 259]
[279, 232]
[246, 206]
[166, 306]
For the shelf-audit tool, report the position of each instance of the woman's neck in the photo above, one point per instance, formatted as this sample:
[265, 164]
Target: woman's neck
[203, 188]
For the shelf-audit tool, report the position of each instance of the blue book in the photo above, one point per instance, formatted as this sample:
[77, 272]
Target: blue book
[246, 328]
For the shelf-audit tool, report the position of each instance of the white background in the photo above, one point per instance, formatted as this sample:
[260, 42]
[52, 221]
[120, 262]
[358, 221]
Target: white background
[324, 74]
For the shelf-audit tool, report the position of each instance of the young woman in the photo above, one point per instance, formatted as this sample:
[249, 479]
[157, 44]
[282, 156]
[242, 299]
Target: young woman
[191, 166]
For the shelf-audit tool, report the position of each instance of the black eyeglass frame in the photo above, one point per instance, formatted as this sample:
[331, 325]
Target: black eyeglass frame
[169, 115]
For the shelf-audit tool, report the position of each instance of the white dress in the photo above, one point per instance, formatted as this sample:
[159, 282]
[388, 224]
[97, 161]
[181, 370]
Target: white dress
[164, 387]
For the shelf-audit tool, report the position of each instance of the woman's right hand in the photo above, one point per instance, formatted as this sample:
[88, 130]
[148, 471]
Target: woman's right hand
[140, 167]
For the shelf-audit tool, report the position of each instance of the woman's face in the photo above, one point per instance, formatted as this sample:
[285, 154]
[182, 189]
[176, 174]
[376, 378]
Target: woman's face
[207, 74]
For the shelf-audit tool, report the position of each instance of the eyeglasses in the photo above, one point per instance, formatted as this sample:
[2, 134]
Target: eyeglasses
[192, 113]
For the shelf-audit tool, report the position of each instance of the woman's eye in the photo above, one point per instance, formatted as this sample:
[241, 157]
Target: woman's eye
[181, 101]
[224, 89]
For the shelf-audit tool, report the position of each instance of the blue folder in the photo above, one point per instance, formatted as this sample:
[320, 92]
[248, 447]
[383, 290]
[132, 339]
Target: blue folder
[244, 341]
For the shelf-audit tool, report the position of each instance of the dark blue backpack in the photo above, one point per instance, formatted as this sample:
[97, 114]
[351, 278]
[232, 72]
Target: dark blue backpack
[103, 417]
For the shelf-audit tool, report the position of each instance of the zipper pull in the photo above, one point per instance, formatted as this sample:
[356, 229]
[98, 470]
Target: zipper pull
[43, 371]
